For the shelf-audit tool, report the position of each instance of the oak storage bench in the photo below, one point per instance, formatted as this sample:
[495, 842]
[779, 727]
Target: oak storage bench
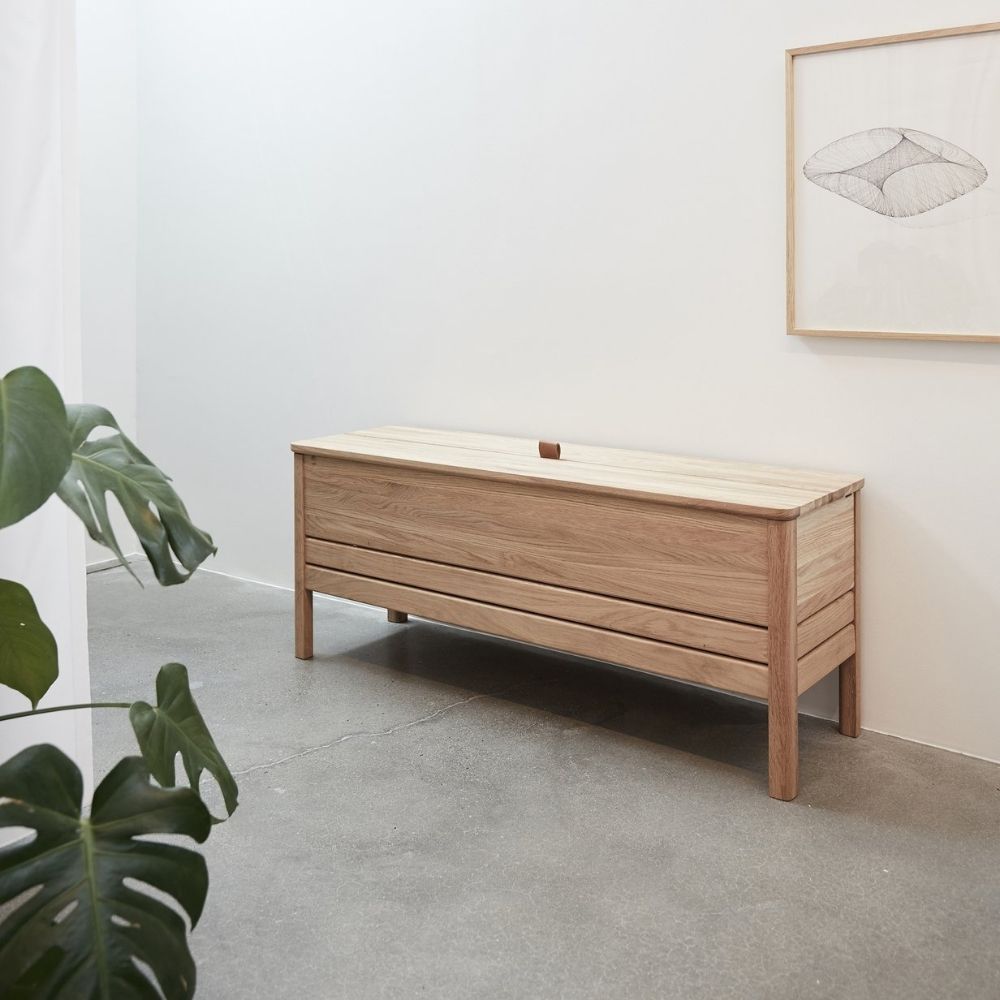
[734, 576]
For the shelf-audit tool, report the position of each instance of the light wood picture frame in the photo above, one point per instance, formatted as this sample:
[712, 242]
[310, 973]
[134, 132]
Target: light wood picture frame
[893, 224]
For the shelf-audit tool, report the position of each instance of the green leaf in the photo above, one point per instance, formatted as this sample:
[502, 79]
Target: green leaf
[29, 661]
[174, 727]
[83, 929]
[34, 442]
[113, 464]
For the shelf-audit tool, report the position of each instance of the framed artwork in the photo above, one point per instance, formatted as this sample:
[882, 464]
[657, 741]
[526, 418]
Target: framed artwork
[893, 186]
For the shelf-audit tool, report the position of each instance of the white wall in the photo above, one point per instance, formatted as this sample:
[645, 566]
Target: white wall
[39, 325]
[106, 43]
[560, 219]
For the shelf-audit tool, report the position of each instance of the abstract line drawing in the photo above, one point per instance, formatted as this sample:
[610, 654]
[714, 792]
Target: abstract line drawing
[897, 172]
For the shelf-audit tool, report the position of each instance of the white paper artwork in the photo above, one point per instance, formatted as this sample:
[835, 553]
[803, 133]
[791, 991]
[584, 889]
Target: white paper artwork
[897, 198]
[895, 171]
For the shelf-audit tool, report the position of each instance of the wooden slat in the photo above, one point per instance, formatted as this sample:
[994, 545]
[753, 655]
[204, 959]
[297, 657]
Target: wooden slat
[819, 627]
[965, 338]
[828, 656]
[747, 642]
[690, 560]
[782, 659]
[825, 556]
[911, 36]
[790, 180]
[726, 673]
[612, 460]
[732, 487]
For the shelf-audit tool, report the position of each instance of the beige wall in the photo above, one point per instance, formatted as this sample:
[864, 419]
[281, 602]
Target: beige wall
[106, 45]
[556, 219]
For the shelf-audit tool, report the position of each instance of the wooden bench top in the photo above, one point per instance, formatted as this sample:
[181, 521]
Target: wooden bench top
[734, 487]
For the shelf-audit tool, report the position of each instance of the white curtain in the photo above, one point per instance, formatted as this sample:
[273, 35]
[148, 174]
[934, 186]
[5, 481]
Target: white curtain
[40, 325]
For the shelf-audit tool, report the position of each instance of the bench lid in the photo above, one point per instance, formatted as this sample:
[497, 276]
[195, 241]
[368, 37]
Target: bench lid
[737, 487]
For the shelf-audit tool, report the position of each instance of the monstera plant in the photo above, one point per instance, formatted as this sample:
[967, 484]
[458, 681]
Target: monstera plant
[76, 917]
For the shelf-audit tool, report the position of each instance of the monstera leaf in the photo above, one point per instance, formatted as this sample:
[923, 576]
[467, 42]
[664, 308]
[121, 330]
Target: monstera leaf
[113, 464]
[175, 726]
[29, 662]
[85, 928]
[34, 442]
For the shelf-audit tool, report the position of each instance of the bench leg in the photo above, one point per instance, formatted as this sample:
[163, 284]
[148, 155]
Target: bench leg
[303, 623]
[783, 667]
[303, 597]
[850, 669]
[397, 617]
[850, 714]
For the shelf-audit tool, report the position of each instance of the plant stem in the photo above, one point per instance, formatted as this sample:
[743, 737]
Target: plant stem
[65, 708]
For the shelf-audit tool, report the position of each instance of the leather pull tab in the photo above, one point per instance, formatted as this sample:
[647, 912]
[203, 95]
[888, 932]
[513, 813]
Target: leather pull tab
[549, 449]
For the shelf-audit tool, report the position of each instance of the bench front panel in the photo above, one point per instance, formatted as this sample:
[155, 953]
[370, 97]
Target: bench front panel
[698, 561]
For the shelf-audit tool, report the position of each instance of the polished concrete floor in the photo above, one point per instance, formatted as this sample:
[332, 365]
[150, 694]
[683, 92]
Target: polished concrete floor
[430, 813]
